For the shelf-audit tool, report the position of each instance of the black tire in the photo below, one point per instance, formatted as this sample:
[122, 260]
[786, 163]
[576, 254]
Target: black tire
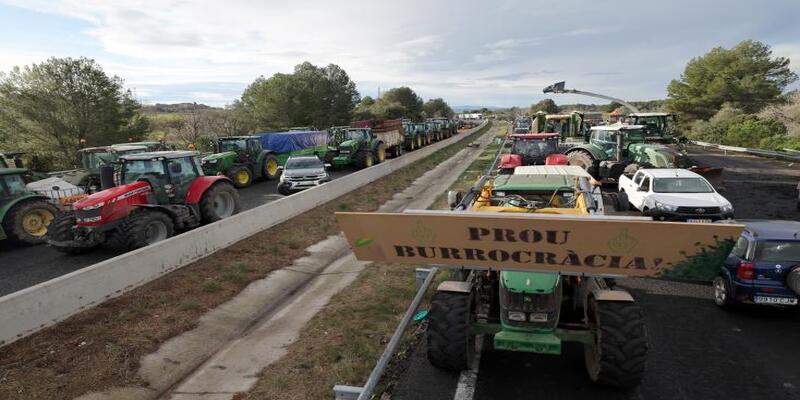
[723, 297]
[267, 170]
[211, 208]
[621, 202]
[241, 176]
[619, 352]
[284, 190]
[365, 159]
[793, 280]
[450, 344]
[412, 145]
[145, 227]
[27, 221]
[580, 158]
[419, 141]
[60, 229]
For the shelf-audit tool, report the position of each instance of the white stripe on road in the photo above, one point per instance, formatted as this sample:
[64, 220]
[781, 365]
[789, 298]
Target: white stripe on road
[465, 390]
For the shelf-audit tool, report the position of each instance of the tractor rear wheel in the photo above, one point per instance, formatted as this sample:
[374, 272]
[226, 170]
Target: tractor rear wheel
[365, 159]
[145, 227]
[398, 150]
[218, 202]
[619, 350]
[270, 166]
[27, 221]
[450, 343]
[580, 158]
[621, 202]
[380, 153]
[419, 141]
[242, 177]
[60, 230]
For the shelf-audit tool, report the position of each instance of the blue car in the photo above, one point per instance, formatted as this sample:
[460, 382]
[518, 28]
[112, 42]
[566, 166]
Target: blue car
[763, 267]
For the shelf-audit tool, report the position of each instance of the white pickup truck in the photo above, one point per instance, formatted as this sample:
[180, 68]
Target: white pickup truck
[672, 194]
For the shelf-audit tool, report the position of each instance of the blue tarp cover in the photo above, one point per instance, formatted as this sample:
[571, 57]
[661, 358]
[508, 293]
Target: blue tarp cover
[284, 142]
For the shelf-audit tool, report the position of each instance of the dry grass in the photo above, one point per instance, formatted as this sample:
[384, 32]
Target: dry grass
[101, 347]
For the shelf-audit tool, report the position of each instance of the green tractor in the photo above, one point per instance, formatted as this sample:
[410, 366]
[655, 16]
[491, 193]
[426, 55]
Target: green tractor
[570, 126]
[87, 176]
[360, 146]
[436, 130]
[659, 126]
[415, 137]
[243, 159]
[618, 149]
[447, 127]
[25, 215]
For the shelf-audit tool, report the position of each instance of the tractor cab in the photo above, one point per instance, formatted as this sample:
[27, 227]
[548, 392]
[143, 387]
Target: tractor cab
[148, 145]
[614, 140]
[169, 173]
[657, 125]
[341, 134]
[570, 126]
[245, 147]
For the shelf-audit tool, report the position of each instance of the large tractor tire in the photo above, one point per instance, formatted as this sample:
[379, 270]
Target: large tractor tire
[365, 159]
[618, 353]
[412, 145]
[270, 170]
[621, 202]
[241, 176]
[220, 201]
[60, 230]
[450, 343]
[419, 141]
[580, 158]
[397, 150]
[380, 153]
[145, 227]
[27, 221]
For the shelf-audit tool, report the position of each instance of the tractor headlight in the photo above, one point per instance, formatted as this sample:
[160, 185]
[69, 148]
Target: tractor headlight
[516, 316]
[169, 189]
[94, 207]
[666, 207]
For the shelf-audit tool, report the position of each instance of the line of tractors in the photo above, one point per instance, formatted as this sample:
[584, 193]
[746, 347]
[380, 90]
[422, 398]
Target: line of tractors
[130, 195]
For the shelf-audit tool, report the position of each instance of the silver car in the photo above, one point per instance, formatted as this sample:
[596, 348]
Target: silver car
[302, 172]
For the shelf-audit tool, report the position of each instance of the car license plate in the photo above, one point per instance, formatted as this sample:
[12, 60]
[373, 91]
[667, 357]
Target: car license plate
[784, 301]
[700, 221]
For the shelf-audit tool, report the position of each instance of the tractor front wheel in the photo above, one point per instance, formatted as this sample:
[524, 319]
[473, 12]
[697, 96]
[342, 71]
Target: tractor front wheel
[27, 221]
[580, 158]
[450, 343]
[270, 168]
[419, 141]
[218, 202]
[60, 230]
[145, 227]
[242, 177]
[617, 355]
[380, 153]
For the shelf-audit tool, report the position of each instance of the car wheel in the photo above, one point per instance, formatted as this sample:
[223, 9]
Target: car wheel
[722, 293]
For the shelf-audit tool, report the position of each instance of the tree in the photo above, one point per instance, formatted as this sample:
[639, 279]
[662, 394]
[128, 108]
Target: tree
[407, 98]
[547, 105]
[437, 108]
[746, 76]
[53, 108]
[310, 96]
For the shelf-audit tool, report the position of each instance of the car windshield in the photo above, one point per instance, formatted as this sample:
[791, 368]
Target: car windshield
[134, 169]
[778, 251]
[534, 147]
[303, 163]
[232, 145]
[15, 184]
[681, 185]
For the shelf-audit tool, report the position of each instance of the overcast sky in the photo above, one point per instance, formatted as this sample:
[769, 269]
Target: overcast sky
[498, 53]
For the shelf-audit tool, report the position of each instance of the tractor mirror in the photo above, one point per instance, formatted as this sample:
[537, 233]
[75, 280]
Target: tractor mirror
[454, 198]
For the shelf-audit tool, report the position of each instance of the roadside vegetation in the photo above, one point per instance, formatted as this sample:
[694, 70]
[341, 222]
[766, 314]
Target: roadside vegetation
[101, 347]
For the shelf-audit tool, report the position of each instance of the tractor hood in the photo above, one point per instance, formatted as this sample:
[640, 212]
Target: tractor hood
[658, 156]
[351, 144]
[529, 282]
[116, 193]
[213, 158]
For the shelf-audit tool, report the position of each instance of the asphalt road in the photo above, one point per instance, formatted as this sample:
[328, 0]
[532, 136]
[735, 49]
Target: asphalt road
[697, 351]
[21, 267]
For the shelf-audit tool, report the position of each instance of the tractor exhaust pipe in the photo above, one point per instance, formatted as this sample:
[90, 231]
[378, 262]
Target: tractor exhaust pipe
[106, 176]
[620, 145]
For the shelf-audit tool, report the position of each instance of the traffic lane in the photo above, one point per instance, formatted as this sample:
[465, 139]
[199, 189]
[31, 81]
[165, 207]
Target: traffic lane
[22, 267]
[264, 191]
[697, 351]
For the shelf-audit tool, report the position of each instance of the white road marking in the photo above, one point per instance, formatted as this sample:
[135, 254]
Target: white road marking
[465, 390]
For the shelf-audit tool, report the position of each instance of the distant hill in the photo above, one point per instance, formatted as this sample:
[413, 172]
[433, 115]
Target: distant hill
[175, 107]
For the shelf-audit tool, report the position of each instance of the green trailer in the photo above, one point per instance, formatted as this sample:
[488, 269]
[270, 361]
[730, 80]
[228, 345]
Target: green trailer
[245, 159]
[25, 215]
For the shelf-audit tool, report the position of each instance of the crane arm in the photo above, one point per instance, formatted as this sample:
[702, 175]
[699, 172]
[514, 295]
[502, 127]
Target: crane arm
[559, 89]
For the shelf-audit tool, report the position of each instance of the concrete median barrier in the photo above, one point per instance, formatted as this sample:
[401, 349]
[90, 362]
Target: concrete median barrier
[29, 310]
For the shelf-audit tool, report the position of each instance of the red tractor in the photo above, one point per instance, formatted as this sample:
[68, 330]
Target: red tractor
[158, 193]
[532, 149]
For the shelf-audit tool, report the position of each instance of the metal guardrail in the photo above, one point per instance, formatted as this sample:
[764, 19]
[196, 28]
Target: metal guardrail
[791, 155]
[424, 278]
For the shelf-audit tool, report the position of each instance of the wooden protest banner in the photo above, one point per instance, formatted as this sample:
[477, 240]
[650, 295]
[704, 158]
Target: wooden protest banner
[531, 242]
